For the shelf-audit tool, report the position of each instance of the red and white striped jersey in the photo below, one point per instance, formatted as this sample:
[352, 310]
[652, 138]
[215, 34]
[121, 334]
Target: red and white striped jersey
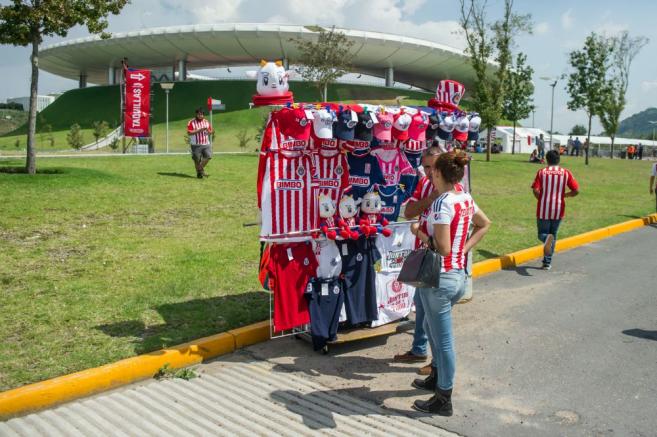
[552, 181]
[422, 190]
[455, 210]
[287, 197]
[331, 174]
[200, 138]
[393, 164]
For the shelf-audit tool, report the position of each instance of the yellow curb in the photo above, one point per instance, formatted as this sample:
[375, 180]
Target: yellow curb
[65, 388]
[54, 391]
[251, 334]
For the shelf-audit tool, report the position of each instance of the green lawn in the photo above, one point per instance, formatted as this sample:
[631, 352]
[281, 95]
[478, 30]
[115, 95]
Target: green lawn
[105, 258]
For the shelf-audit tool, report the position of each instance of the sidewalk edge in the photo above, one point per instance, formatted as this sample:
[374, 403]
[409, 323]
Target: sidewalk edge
[40, 395]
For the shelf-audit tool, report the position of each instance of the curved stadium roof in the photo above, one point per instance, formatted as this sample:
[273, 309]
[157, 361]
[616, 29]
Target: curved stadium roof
[415, 61]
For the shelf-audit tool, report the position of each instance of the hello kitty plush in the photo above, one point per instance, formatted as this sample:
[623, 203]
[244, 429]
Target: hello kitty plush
[327, 216]
[348, 208]
[371, 220]
[271, 84]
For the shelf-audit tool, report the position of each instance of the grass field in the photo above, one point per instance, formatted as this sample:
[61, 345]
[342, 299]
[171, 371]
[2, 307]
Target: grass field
[105, 258]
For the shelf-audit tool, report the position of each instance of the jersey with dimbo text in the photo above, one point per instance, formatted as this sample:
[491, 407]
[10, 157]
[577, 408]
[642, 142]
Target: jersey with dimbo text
[364, 172]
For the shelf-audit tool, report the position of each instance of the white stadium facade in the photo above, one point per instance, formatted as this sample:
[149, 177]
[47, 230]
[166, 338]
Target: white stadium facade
[173, 51]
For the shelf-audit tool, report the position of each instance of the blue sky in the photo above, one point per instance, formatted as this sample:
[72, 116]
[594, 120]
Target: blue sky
[559, 27]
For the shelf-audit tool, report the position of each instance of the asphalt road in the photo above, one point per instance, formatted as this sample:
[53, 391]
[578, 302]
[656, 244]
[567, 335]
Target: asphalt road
[568, 352]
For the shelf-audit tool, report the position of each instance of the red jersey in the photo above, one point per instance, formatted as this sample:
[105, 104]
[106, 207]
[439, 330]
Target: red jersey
[455, 210]
[552, 182]
[331, 174]
[200, 138]
[286, 199]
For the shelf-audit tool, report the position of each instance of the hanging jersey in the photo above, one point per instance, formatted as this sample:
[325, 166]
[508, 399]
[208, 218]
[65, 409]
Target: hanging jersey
[329, 261]
[315, 144]
[392, 198]
[414, 158]
[364, 172]
[287, 196]
[291, 267]
[331, 174]
[455, 210]
[395, 248]
[200, 138]
[325, 299]
[393, 165]
[358, 258]
[552, 182]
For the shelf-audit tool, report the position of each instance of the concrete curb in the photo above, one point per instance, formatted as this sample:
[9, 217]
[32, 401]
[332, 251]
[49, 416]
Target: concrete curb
[54, 391]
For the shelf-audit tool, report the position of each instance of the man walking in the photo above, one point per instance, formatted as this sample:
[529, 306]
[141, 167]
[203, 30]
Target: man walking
[540, 145]
[550, 190]
[653, 188]
[576, 145]
[199, 131]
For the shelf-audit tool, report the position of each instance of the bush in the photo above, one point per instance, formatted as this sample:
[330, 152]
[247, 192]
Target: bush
[100, 129]
[74, 137]
[114, 145]
[12, 105]
[243, 138]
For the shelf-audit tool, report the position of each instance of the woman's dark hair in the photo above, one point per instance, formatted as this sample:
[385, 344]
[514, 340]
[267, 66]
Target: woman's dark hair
[452, 166]
[552, 157]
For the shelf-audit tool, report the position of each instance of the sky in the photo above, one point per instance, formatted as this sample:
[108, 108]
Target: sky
[558, 28]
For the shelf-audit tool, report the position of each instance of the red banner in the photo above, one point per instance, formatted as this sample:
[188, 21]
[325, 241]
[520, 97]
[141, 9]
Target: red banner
[137, 103]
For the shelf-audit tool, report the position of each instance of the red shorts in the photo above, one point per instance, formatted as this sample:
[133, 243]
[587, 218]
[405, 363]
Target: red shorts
[291, 267]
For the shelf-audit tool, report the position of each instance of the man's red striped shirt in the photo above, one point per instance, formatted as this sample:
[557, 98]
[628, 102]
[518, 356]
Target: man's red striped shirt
[551, 182]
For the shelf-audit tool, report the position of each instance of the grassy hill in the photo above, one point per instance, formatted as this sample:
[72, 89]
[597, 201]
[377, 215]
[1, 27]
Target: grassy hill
[638, 125]
[11, 119]
[84, 106]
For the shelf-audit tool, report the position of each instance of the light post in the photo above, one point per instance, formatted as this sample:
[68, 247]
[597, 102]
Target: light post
[167, 86]
[553, 85]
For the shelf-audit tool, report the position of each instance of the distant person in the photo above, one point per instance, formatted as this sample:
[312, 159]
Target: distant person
[199, 131]
[640, 152]
[551, 204]
[577, 144]
[570, 143]
[534, 157]
[653, 188]
[630, 152]
[540, 145]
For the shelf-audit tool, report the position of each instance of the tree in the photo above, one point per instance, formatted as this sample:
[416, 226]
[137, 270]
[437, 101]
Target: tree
[243, 138]
[326, 60]
[100, 129]
[587, 83]
[74, 137]
[519, 100]
[488, 42]
[624, 49]
[27, 22]
[578, 129]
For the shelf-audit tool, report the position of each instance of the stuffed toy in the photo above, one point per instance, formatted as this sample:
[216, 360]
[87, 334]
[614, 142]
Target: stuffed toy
[348, 209]
[371, 220]
[271, 85]
[327, 223]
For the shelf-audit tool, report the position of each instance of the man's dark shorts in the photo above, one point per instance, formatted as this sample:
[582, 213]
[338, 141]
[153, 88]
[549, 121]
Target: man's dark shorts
[201, 152]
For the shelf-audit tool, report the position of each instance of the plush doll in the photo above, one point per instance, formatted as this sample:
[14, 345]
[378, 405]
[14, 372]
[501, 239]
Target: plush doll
[272, 86]
[327, 217]
[348, 209]
[371, 219]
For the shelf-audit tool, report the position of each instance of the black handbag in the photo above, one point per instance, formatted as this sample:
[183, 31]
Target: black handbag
[421, 268]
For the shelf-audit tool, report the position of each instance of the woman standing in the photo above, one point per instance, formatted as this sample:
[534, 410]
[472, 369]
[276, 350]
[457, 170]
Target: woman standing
[452, 215]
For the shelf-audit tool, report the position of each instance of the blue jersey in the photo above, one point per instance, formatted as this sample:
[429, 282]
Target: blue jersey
[392, 198]
[325, 300]
[415, 158]
[364, 172]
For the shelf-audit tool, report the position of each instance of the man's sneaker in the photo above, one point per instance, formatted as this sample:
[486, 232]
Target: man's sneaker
[409, 357]
[549, 245]
[547, 266]
[199, 175]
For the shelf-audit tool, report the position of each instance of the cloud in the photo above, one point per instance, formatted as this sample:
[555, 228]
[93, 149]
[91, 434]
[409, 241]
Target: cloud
[409, 7]
[649, 85]
[567, 19]
[541, 28]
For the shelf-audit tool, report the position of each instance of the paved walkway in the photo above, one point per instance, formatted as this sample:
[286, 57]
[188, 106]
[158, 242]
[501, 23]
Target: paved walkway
[567, 352]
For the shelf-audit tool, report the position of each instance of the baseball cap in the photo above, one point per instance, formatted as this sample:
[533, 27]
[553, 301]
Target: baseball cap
[382, 130]
[418, 128]
[400, 125]
[473, 129]
[432, 128]
[343, 126]
[293, 123]
[364, 127]
[322, 123]
[461, 128]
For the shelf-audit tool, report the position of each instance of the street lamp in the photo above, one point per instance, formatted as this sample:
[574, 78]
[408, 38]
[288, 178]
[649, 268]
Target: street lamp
[553, 85]
[167, 86]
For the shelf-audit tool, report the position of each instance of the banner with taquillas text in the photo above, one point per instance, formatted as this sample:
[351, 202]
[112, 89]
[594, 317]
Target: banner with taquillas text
[137, 103]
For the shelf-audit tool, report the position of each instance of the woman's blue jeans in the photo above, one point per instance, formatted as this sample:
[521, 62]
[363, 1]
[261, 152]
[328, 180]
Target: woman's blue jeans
[437, 304]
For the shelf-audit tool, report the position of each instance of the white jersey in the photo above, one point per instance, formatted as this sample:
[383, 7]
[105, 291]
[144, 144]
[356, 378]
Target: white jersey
[329, 261]
[395, 248]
